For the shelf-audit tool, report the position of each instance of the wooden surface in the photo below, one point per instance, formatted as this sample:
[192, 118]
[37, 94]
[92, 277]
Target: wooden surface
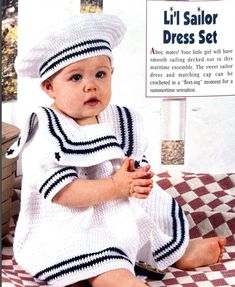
[9, 135]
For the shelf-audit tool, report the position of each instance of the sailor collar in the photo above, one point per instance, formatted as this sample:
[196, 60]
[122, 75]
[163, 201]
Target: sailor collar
[114, 137]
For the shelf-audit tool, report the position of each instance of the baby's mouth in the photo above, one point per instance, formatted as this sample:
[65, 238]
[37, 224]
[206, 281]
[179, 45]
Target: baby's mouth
[92, 102]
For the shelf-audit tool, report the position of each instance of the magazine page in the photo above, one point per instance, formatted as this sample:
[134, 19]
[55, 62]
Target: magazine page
[124, 155]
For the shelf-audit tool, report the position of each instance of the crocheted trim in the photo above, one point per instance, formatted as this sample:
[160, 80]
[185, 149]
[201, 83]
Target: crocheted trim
[82, 147]
[32, 124]
[178, 235]
[52, 183]
[81, 262]
[16, 147]
[77, 50]
[105, 142]
[126, 128]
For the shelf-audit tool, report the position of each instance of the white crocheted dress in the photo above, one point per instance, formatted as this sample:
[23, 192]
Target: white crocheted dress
[63, 245]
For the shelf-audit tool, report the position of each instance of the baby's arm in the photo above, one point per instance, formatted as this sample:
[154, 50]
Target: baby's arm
[83, 192]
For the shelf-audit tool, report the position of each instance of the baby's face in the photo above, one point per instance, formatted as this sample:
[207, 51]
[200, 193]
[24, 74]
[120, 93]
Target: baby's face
[82, 89]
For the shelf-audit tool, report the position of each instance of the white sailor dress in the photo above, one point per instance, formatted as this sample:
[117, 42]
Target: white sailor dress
[64, 245]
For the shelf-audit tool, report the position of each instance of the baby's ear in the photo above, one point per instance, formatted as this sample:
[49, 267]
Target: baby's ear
[47, 87]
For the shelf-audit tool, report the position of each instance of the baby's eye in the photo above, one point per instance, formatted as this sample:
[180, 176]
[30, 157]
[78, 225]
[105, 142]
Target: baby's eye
[76, 77]
[100, 74]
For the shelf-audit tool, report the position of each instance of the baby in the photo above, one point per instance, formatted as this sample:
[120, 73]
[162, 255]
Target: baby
[89, 206]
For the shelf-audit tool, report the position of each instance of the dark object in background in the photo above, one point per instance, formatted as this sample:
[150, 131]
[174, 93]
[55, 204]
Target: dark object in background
[149, 271]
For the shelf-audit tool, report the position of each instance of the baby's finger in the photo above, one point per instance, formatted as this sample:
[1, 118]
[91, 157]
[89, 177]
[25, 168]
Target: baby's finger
[125, 164]
[143, 182]
[142, 189]
[150, 175]
[131, 165]
[147, 167]
[140, 195]
[139, 173]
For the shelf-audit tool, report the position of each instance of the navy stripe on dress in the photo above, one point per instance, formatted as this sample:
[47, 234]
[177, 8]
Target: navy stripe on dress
[56, 178]
[178, 234]
[33, 122]
[126, 128]
[82, 262]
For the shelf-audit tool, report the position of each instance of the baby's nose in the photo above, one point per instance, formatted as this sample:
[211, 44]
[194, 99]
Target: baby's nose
[89, 85]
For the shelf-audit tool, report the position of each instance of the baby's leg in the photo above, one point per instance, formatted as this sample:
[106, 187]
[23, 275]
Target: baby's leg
[116, 278]
[202, 252]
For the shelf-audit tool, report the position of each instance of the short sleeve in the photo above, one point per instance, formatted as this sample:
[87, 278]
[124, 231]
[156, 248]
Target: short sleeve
[55, 179]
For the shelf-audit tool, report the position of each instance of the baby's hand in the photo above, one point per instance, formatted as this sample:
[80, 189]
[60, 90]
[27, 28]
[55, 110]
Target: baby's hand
[149, 175]
[131, 167]
[133, 182]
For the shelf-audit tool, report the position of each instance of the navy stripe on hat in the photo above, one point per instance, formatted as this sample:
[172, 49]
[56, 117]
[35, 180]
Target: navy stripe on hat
[75, 51]
[75, 38]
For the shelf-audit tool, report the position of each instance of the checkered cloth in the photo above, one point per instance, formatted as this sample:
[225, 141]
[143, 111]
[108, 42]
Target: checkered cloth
[209, 203]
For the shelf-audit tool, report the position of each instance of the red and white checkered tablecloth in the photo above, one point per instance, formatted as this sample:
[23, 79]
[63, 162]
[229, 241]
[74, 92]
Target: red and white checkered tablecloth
[209, 203]
[12, 274]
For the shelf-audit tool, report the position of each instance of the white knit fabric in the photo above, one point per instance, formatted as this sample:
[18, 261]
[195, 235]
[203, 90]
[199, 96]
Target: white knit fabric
[64, 245]
[79, 37]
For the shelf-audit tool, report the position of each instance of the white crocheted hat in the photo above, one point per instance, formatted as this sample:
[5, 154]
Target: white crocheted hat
[80, 37]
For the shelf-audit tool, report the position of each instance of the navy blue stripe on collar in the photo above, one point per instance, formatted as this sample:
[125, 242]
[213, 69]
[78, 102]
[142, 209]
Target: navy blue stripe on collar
[82, 147]
[126, 128]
